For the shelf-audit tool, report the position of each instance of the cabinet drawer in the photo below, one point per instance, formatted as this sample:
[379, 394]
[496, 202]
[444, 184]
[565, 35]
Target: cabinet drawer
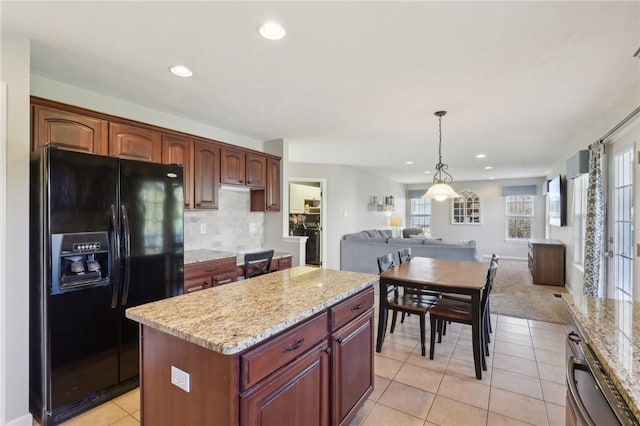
[210, 267]
[258, 363]
[226, 278]
[284, 263]
[347, 310]
[196, 284]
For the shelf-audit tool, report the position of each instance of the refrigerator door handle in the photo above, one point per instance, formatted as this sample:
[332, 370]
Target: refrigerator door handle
[126, 244]
[115, 254]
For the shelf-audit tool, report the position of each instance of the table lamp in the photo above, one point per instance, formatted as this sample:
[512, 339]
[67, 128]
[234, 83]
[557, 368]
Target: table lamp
[396, 221]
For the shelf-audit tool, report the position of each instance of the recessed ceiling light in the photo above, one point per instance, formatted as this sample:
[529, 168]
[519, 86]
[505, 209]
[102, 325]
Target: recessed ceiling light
[491, 178]
[488, 168]
[427, 172]
[408, 162]
[181, 71]
[272, 31]
[481, 156]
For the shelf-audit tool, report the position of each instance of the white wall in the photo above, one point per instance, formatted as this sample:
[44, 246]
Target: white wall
[490, 234]
[347, 196]
[14, 300]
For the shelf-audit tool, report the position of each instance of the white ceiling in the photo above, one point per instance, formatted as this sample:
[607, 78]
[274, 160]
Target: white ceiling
[357, 83]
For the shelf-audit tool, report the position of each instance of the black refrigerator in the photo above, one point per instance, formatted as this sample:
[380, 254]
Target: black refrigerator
[105, 234]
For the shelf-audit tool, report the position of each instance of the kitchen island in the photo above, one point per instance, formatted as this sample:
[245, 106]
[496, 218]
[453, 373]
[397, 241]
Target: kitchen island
[611, 329]
[291, 347]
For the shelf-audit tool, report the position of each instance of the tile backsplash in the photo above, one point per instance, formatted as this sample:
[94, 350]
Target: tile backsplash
[232, 227]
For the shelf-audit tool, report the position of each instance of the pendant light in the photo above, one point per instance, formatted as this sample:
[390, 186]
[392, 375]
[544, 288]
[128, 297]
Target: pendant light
[441, 190]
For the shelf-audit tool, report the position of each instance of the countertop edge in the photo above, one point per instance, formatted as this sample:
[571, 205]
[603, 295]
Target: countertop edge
[603, 358]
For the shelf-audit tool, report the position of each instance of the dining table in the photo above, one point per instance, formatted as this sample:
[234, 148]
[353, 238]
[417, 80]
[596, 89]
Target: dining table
[442, 275]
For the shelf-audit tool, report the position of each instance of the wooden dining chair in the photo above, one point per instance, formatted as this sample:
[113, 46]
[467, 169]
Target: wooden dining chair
[448, 309]
[257, 263]
[409, 303]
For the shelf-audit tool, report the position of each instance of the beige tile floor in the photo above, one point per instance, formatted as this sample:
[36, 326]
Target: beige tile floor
[524, 383]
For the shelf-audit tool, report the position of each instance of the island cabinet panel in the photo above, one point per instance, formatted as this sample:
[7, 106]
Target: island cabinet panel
[256, 170]
[177, 150]
[232, 166]
[352, 381]
[213, 383]
[69, 130]
[135, 143]
[268, 357]
[206, 175]
[295, 395]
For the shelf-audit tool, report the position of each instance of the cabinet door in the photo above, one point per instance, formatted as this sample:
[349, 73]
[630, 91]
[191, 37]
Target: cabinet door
[273, 185]
[232, 166]
[177, 150]
[135, 143]
[69, 131]
[296, 198]
[352, 367]
[297, 394]
[256, 170]
[206, 175]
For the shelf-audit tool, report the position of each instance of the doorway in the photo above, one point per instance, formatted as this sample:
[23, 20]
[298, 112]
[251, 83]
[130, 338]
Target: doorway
[307, 207]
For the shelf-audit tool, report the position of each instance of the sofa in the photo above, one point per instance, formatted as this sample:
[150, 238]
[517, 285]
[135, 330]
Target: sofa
[359, 251]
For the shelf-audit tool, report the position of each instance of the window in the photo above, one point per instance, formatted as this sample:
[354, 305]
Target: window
[579, 217]
[466, 208]
[519, 216]
[421, 214]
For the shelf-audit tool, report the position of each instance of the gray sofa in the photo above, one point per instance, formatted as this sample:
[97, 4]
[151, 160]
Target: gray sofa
[359, 251]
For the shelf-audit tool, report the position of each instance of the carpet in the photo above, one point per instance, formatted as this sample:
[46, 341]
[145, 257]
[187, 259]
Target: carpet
[514, 294]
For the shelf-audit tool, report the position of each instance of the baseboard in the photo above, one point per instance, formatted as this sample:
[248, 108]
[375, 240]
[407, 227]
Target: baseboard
[487, 257]
[26, 420]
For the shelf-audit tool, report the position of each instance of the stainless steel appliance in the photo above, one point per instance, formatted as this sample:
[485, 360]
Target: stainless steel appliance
[592, 398]
[106, 234]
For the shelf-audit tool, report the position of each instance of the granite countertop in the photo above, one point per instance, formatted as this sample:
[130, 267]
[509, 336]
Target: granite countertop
[612, 328]
[203, 255]
[230, 318]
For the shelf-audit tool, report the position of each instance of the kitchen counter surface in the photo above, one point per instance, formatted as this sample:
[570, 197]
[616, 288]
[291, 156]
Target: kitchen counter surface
[230, 318]
[613, 330]
[203, 255]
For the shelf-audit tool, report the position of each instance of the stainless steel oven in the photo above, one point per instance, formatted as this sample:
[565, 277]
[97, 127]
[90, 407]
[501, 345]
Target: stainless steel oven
[592, 398]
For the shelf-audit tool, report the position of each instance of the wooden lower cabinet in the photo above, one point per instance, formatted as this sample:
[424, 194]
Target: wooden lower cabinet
[318, 372]
[546, 261]
[295, 395]
[201, 275]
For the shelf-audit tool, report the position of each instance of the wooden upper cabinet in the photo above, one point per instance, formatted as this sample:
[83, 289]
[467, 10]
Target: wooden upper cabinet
[135, 143]
[232, 166]
[256, 170]
[177, 150]
[206, 175]
[273, 185]
[69, 130]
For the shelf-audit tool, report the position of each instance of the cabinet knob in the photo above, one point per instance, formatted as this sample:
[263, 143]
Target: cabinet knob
[339, 339]
[328, 351]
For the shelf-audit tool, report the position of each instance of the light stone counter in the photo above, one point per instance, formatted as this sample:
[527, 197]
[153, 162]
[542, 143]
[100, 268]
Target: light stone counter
[612, 328]
[203, 255]
[230, 318]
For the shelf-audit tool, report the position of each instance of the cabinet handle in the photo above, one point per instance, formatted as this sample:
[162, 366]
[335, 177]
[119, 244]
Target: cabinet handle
[190, 289]
[574, 337]
[198, 204]
[294, 346]
[211, 269]
[355, 308]
[227, 281]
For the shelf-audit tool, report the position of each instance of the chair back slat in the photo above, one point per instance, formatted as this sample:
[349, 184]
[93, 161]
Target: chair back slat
[257, 263]
[404, 254]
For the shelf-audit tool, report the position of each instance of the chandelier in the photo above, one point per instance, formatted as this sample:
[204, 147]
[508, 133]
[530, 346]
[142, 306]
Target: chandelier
[441, 190]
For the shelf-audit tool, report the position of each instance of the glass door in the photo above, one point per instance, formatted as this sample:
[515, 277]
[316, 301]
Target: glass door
[622, 221]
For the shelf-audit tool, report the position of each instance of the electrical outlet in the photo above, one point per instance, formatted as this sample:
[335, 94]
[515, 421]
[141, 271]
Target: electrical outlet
[181, 379]
[203, 228]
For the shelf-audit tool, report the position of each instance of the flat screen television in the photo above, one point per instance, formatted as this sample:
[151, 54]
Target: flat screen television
[557, 201]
